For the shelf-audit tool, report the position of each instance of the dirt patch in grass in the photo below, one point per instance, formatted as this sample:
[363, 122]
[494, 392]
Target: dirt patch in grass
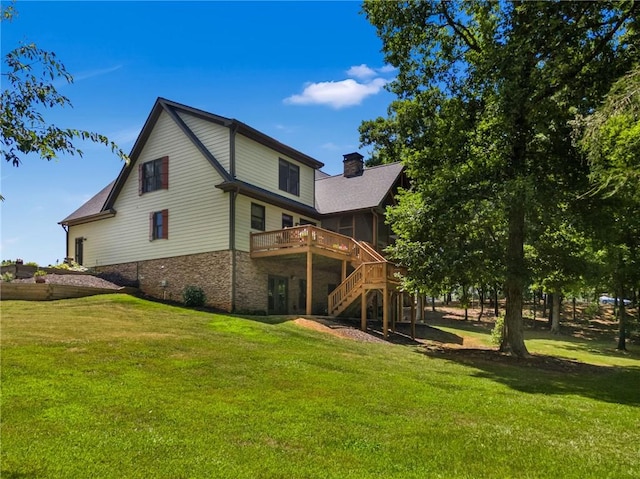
[335, 328]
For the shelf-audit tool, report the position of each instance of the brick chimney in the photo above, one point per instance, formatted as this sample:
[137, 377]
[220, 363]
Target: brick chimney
[353, 165]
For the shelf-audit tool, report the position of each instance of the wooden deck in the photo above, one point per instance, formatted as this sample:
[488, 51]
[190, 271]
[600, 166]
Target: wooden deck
[301, 239]
[372, 270]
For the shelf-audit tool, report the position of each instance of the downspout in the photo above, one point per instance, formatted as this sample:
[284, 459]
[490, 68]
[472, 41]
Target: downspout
[66, 246]
[374, 233]
[232, 213]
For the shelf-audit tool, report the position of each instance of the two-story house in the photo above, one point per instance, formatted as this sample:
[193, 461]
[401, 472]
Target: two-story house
[212, 202]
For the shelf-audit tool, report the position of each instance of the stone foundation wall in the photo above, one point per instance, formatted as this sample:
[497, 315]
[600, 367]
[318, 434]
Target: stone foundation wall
[252, 277]
[166, 278]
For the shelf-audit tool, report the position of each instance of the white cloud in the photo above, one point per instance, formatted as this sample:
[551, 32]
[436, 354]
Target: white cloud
[95, 73]
[126, 136]
[284, 128]
[364, 82]
[337, 94]
[331, 146]
[361, 71]
[61, 82]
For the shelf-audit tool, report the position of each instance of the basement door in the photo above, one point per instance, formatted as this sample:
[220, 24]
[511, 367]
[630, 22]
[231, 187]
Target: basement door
[278, 294]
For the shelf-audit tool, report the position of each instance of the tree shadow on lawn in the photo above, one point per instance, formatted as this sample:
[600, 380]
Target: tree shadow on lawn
[602, 344]
[541, 374]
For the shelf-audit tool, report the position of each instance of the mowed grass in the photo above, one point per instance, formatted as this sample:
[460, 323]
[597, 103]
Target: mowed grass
[598, 350]
[119, 387]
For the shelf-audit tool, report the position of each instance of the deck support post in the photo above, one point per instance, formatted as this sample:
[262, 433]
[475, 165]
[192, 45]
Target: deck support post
[385, 311]
[344, 269]
[309, 282]
[363, 312]
[413, 316]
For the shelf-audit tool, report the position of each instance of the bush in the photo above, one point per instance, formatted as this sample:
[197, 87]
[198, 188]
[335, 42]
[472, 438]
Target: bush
[193, 296]
[7, 277]
[497, 333]
[591, 311]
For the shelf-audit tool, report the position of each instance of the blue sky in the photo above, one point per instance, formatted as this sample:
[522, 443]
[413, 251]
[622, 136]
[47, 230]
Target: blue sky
[305, 73]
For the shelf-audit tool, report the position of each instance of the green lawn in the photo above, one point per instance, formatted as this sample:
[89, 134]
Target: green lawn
[118, 387]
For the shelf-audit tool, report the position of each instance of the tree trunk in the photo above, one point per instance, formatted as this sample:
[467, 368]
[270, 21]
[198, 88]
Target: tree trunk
[551, 297]
[535, 304]
[465, 302]
[515, 279]
[555, 315]
[481, 295]
[433, 304]
[544, 305]
[622, 331]
[496, 306]
[574, 308]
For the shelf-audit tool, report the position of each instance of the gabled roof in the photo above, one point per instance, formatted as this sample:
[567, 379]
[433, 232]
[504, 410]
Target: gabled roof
[92, 208]
[106, 198]
[339, 194]
[172, 108]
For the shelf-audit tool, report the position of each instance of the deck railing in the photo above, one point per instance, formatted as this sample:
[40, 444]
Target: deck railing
[372, 274]
[301, 236]
[352, 283]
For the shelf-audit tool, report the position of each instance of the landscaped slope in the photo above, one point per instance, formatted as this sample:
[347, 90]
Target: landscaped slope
[114, 386]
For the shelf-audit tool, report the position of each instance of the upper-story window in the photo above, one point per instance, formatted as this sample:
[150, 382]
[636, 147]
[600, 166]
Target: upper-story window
[289, 177]
[257, 217]
[153, 175]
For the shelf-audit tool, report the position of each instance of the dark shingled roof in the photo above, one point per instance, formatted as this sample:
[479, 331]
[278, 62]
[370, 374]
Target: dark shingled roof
[337, 194]
[91, 207]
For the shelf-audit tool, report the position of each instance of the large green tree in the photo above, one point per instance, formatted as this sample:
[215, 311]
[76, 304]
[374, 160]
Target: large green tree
[29, 74]
[485, 93]
[610, 136]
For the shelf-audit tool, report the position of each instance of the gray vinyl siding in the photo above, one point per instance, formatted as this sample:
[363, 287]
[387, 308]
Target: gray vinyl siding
[258, 165]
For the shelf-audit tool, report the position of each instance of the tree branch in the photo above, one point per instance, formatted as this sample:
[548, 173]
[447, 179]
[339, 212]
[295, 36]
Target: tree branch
[462, 31]
[572, 73]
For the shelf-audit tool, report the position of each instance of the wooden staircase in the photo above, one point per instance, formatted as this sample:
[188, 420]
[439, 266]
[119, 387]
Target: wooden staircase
[370, 275]
[372, 270]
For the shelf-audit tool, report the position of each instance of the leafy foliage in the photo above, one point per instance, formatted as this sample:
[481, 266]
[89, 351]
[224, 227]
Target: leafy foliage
[29, 76]
[24, 127]
[485, 93]
[497, 333]
[193, 296]
[611, 136]
[7, 277]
